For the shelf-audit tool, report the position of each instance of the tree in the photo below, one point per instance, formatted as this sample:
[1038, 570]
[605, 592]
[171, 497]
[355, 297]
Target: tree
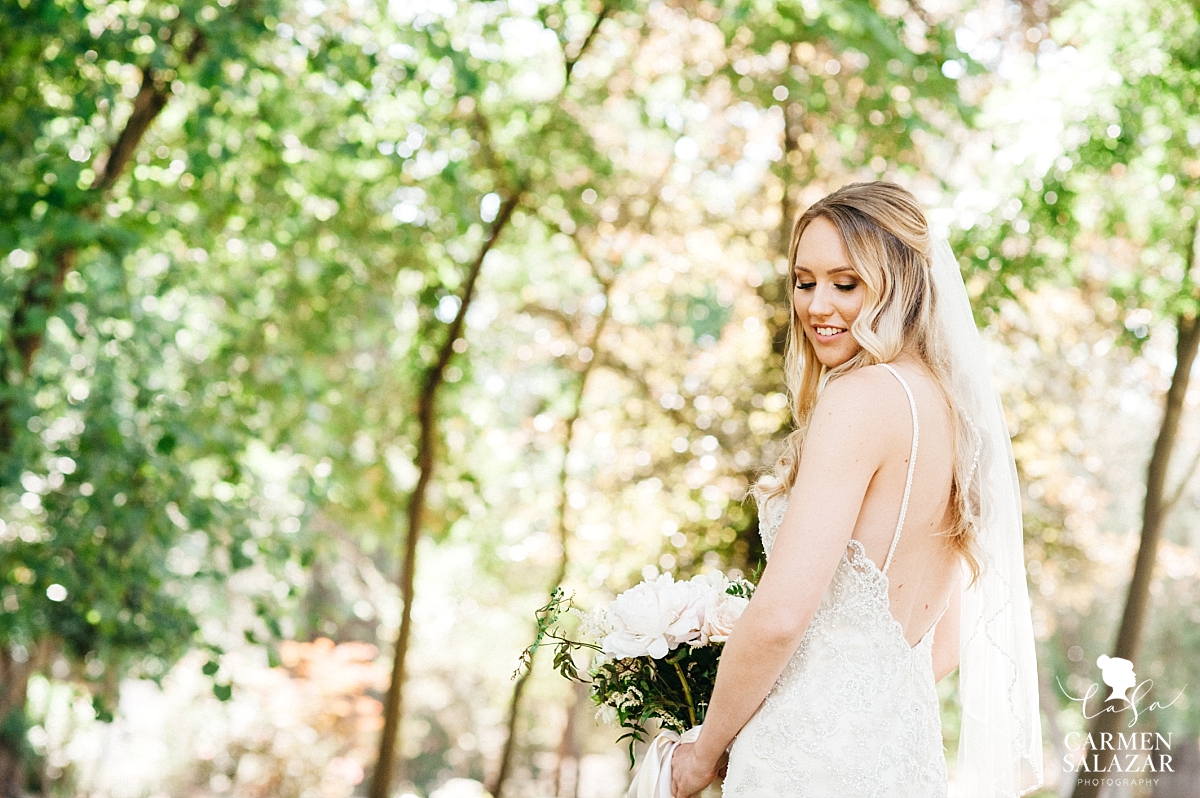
[96, 459]
[496, 208]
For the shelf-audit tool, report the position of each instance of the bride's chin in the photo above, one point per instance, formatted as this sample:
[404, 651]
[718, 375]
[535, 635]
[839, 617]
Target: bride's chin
[832, 360]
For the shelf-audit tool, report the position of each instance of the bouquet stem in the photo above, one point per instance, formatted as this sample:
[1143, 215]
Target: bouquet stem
[687, 692]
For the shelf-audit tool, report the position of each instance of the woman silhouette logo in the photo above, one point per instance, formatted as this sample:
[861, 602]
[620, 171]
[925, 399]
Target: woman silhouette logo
[1117, 674]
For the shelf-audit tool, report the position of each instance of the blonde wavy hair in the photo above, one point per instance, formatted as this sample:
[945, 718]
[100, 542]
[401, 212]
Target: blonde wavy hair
[887, 240]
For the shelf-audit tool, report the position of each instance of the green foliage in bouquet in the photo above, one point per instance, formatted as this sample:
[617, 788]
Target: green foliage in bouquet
[673, 691]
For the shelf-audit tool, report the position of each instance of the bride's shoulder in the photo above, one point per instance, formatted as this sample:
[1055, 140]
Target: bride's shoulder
[855, 418]
[864, 403]
[869, 390]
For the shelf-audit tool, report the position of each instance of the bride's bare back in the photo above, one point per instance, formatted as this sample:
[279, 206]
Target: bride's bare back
[924, 572]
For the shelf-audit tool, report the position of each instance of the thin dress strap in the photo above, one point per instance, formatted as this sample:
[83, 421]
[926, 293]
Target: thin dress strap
[912, 463]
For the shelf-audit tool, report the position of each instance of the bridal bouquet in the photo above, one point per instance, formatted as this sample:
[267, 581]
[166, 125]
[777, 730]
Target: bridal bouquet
[655, 648]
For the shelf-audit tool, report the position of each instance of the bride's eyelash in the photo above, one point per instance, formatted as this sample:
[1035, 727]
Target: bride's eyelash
[805, 286]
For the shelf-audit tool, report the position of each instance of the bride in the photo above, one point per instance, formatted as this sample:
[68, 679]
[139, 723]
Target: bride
[892, 530]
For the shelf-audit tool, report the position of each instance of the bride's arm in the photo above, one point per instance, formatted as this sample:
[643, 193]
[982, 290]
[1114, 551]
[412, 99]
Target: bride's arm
[848, 439]
[946, 636]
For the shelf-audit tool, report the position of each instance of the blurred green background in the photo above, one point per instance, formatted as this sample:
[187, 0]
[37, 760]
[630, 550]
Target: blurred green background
[328, 324]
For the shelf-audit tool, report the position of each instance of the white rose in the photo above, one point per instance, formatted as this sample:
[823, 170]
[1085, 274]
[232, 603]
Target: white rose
[696, 599]
[689, 602]
[640, 618]
[711, 588]
[719, 621]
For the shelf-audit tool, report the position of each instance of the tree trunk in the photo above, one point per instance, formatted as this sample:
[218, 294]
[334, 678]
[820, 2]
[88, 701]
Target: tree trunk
[564, 534]
[394, 705]
[791, 144]
[14, 679]
[510, 739]
[776, 292]
[428, 430]
[1137, 601]
[566, 775]
[1183, 780]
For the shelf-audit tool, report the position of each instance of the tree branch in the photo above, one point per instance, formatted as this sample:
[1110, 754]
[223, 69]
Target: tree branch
[1177, 494]
[147, 105]
[571, 61]
[40, 295]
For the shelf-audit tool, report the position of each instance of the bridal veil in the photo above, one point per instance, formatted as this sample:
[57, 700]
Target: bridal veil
[1000, 743]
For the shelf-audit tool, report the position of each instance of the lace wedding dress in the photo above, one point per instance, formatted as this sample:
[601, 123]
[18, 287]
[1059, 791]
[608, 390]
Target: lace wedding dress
[855, 711]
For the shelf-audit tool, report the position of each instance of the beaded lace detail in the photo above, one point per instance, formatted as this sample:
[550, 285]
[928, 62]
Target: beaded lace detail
[855, 711]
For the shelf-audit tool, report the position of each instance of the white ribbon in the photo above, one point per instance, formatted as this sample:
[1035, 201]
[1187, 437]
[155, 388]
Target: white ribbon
[653, 779]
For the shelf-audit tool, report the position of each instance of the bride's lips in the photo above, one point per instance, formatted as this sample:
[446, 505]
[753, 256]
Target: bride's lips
[827, 333]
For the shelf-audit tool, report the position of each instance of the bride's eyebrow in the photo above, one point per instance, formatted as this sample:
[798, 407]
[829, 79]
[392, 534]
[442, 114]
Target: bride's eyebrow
[838, 270]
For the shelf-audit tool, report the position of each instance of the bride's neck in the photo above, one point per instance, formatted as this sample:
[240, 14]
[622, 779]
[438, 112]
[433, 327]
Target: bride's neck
[910, 358]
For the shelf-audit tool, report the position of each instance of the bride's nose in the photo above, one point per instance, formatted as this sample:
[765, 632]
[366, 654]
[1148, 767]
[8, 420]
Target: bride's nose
[822, 301]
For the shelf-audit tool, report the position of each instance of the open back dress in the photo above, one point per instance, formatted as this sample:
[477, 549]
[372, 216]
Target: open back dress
[855, 712]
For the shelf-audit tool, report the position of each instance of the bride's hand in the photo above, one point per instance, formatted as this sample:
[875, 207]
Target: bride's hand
[688, 774]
